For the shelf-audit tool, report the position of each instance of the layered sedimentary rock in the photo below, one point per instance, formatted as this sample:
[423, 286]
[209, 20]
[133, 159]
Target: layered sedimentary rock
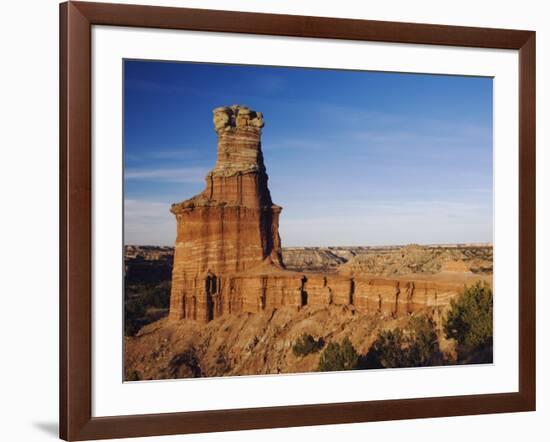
[232, 225]
[253, 293]
[228, 252]
[425, 260]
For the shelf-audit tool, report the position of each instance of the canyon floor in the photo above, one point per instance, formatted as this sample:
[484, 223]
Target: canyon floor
[262, 343]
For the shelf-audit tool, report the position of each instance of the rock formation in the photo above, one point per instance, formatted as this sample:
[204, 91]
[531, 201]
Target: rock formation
[228, 252]
[415, 259]
[232, 225]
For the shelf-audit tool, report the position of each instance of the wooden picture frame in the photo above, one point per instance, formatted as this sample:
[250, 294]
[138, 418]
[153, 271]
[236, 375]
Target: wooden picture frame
[76, 421]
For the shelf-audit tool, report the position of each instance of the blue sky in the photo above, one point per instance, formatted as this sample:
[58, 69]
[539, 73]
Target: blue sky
[353, 157]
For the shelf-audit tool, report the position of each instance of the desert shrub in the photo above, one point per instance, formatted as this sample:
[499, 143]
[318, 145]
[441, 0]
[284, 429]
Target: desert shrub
[414, 346]
[186, 365]
[132, 375]
[158, 295]
[470, 323]
[424, 347]
[387, 351]
[145, 303]
[134, 310]
[145, 271]
[252, 344]
[307, 344]
[338, 357]
[470, 319]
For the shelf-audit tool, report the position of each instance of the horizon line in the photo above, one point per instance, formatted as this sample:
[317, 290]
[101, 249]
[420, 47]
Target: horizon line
[466, 244]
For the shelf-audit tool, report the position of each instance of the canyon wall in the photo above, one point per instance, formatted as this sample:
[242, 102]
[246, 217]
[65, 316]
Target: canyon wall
[227, 255]
[388, 297]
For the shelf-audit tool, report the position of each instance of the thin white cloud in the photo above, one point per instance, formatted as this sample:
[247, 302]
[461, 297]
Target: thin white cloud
[293, 144]
[181, 153]
[172, 175]
[363, 222]
[145, 208]
[344, 222]
[148, 222]
[176, 153]
[461, 135]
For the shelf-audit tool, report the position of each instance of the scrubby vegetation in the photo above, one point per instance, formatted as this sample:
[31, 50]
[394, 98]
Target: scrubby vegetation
[415, 345]
[470, 323]
[185, 364]
[132, 375]
[145, 303]
[307, 344]
[339, 357]
[147, 274]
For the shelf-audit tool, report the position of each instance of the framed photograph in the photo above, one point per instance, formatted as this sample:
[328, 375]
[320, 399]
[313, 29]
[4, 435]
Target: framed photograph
[274, 220]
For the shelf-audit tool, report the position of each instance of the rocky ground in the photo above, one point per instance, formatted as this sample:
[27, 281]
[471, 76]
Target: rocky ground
[414, 259]
[319, 259]
[248, 344]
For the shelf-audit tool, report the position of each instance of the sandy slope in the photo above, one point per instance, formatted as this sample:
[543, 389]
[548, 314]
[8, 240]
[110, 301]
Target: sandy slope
[247, 343]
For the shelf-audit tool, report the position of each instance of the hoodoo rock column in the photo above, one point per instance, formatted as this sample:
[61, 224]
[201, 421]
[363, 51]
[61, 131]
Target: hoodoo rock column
[230, 227]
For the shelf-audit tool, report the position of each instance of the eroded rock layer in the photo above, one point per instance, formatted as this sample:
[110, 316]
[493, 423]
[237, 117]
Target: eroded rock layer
[242, 293]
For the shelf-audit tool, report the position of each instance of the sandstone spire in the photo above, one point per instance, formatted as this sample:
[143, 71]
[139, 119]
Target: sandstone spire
[232, 225]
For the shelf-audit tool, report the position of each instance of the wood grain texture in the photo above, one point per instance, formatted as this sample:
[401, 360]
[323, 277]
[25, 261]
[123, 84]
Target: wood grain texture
[63, 299]
[299, 26]
[527, 220]
[76, 20]
[75, 216]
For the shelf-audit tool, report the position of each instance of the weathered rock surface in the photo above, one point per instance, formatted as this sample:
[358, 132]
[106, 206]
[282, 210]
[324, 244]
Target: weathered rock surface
[232, 225]
[248, 344]
[414, 259]
[318, 259]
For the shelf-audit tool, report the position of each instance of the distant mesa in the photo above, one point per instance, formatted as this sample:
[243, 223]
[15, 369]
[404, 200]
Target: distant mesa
[228, 256]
